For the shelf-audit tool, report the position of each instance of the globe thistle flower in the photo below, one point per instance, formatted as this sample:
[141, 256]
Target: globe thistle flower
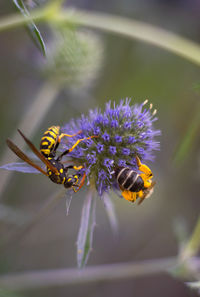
[123, 132]
[74, 58]
[118, 137]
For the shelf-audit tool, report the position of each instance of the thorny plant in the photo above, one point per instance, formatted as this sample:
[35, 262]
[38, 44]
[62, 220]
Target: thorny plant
[115, 138]
[108, 150]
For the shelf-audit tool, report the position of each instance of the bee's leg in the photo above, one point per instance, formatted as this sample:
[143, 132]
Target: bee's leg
[130, 196]
[140, 194]
[81, 183]
[147, 174]
[147, 183]
[141, 200]
[71, 149]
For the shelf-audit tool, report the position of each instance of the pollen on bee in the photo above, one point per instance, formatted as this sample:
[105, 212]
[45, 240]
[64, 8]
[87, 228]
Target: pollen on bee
[61, 170]
[50, 173]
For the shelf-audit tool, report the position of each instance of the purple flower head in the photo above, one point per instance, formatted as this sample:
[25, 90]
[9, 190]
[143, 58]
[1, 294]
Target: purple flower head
[123, 131]
[125, 151]
[108, 163]
[112, 150]
[127, 125]
[131, 139]
[106, 137]
[118, 138]
[100, 147]
[114, 124]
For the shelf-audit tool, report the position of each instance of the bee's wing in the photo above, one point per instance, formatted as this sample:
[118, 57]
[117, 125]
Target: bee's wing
[147, 193]
[38, 154]
[22, 156]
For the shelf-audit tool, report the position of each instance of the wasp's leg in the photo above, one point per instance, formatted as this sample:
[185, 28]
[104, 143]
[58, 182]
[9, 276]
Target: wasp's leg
[73, 167]
[130, 196]
[63, 135]
[81, 183]
[67, 135]
[78, 141]
[71, 149]
[145, 169]
[77, 168]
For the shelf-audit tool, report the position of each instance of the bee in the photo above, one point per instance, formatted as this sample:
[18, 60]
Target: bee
[55, 169]
[134, 185]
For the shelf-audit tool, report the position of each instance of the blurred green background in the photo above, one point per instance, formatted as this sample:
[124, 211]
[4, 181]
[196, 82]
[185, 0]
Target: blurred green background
[128, 68]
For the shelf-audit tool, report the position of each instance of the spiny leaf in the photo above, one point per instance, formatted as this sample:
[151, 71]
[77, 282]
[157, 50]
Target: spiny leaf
[68, 202]
[32, 28]
[110, 210]
[87, 224]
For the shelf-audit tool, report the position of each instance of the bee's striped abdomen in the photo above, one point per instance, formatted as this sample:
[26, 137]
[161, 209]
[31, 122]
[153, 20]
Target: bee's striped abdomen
[129, 179]
[49, 140]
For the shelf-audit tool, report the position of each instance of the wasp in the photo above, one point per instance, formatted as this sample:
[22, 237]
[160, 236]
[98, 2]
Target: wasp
[134, 185]
[55, 169]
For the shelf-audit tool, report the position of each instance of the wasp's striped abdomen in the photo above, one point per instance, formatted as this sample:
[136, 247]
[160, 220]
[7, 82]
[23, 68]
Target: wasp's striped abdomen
[49, 140]
[129, 179]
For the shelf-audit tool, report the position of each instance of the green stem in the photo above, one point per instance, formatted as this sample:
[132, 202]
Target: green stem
[192, 247]
[115, 24]
[17, 20]
[137, 30]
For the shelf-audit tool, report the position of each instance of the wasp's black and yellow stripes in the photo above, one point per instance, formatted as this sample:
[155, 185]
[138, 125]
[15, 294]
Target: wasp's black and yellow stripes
[55, 169]
[61, 177]
[49, 141]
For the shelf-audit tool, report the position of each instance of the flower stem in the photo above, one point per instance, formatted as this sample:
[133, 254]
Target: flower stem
[119, 25]
[136, 30]
[16, 20]
[60, 277]
[193, 245]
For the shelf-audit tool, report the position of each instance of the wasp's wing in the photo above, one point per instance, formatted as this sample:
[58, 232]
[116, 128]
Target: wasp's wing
[23, 157]
[38, 154]
[20, 167]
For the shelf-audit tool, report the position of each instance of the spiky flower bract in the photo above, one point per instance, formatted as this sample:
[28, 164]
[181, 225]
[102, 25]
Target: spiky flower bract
[123, 131]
